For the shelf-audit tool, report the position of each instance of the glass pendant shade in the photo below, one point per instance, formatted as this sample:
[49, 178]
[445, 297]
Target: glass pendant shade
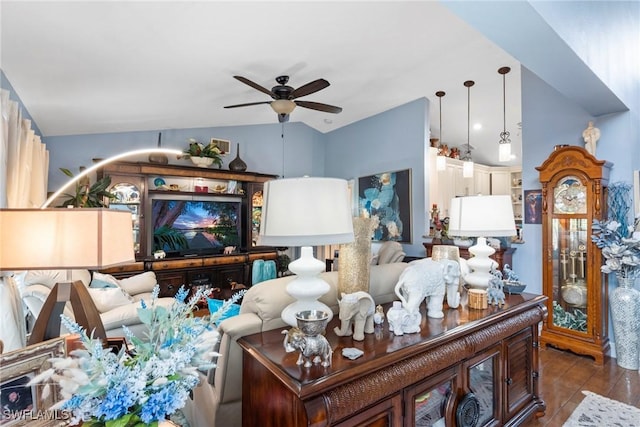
[504, 145]
[504, 151]
[467, 169]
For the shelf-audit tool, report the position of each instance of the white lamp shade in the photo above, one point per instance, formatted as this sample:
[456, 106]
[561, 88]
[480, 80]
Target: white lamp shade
[35, 239]
[306, 212]
[476, 216]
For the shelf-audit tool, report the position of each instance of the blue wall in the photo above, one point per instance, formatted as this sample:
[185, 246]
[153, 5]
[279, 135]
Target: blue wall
[261, 147]
[389, 141]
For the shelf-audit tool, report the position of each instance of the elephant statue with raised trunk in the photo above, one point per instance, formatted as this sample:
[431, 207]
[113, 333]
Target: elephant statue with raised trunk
[356, 310]
[429, 279]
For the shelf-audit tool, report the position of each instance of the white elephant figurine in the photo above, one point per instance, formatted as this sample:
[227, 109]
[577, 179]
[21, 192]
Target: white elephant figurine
[495, 292]
[313, 349]
[401, 321]
[356, 310]
[429, 279]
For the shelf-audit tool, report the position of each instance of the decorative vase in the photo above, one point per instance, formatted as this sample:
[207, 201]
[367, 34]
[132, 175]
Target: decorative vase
[202, 162]
[625, 312]
[355, 258]
[159, 158]
[237, 164]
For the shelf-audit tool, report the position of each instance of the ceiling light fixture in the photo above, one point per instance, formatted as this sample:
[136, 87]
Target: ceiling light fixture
[504, 147]
[283, 106]
[467, 166]
[441, 159]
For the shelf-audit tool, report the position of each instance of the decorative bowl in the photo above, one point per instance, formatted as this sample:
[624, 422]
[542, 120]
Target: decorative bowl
[312, 322]
[202, 162]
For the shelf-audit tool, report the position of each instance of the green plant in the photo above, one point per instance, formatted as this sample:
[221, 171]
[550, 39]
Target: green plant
[197, 149]
[87, 195]
[168, 238]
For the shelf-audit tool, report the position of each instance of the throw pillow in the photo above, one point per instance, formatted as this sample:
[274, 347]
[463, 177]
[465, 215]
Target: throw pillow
[100, 280]
[139, 283]
[107, 299]
[215, 304]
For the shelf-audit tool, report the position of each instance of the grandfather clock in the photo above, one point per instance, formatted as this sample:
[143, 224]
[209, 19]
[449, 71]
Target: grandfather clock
[573, 195]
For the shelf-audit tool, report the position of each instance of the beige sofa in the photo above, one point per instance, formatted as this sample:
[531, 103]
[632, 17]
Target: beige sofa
[217, 401]
[118, 305]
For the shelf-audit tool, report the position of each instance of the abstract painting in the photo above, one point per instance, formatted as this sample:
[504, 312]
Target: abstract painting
[386, 197]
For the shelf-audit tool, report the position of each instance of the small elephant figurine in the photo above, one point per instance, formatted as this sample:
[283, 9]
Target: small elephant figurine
[313, 349]
[495, 293]
[401, 321]
[509, 274]
[429, 279]
[356, 310]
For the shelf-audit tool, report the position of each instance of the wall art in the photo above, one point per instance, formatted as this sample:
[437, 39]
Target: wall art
[386, 197]
[533, 206]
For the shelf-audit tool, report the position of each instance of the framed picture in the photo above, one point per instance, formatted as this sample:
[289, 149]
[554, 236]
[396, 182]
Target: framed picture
[222, 144]
[386, 196]
[29, 405]
[532, 206]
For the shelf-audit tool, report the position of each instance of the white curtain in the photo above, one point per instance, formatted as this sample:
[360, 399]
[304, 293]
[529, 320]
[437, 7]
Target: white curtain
[24, 167]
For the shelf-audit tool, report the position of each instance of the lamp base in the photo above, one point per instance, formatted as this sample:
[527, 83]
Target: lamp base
[480, 264]
[307, 287]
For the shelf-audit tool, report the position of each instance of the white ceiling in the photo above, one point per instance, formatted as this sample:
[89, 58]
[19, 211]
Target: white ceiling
[97, 67]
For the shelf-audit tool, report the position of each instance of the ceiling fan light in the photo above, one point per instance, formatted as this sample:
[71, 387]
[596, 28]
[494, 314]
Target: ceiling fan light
[283, 106]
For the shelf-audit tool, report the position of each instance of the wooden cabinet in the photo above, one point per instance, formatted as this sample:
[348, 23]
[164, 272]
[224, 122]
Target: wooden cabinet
[573, 195]
[482, 359]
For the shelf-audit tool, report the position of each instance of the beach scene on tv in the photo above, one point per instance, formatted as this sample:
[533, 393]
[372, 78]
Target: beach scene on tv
[188, 227]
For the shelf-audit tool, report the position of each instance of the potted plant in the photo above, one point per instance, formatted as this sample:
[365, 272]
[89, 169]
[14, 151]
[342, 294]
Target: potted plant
[203, 155]
[86, 195]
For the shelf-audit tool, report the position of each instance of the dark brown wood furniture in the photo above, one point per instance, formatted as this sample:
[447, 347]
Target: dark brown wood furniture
[415, 379]
[135, 185]
[502, 256]
[573, 195]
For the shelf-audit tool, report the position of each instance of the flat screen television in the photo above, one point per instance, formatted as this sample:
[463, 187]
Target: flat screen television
[195, 227]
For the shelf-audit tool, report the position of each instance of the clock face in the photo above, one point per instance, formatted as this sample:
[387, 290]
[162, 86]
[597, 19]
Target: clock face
[570, 197]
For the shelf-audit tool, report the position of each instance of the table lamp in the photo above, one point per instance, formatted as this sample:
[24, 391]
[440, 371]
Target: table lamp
[50, 239]
[306, 212]
[481, 217]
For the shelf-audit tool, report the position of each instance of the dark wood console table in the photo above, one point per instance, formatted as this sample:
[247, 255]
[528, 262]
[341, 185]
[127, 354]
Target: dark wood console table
[405, 380]
[502, 256]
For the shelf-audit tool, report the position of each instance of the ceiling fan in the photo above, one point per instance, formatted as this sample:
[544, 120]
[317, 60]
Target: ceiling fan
[284, 97]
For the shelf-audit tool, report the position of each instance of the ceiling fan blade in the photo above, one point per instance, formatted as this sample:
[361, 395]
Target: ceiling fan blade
[255, 86]
[318, 106]
[248, 104]
[309, 88]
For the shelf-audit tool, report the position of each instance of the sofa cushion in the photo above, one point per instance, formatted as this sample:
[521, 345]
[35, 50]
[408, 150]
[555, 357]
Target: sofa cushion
[390, 252]
[49, 278]
[139, 283]
[107, 299]
[100, 280]
[126, 315]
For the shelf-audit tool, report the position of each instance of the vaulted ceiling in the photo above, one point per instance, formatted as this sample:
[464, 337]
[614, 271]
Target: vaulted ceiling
[99, 67]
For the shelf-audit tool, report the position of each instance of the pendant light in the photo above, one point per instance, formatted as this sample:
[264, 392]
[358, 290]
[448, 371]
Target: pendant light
[467, 166]
[441, 159]
[504, 147]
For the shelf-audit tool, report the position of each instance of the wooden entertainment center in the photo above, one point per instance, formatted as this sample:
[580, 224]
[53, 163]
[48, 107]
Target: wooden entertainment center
[136, 185]
[477, 365]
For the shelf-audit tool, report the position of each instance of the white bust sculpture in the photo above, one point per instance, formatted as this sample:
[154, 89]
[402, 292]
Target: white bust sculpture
[591, 135]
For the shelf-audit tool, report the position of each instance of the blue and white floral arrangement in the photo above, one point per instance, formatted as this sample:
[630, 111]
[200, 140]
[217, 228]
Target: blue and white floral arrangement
[147, 384]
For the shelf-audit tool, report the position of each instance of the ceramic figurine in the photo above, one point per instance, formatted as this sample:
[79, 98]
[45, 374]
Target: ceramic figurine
[313, 349]
[495, 294]
[356, 310]
[378, 316]
[429, 279]
[591, 135]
